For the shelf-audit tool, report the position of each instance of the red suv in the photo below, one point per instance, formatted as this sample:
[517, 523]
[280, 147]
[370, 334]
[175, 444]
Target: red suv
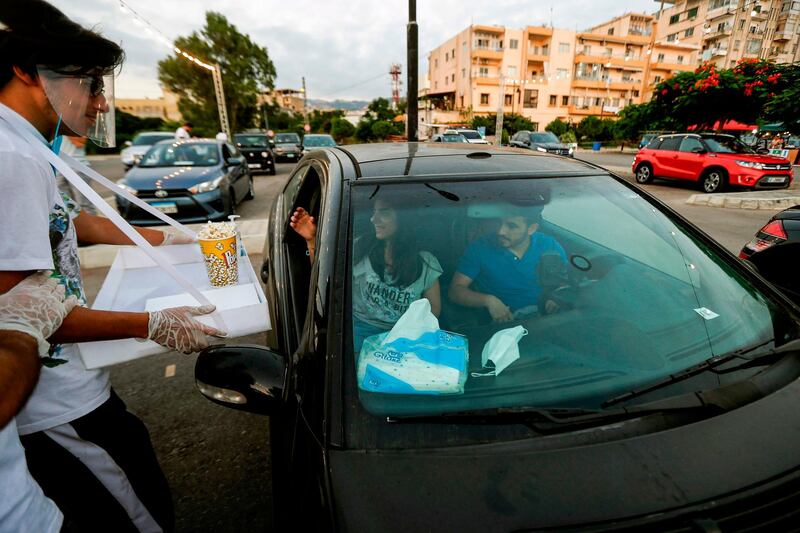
[715, 161]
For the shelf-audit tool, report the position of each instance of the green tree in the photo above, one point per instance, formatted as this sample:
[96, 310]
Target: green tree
[382, 129]
[783, 104]
[487, 122]
[633, 119]
[557, 127]
[341, 129]
[590, 129]
[364, 130]
[246, 72]
[380, 109]
[321, 121]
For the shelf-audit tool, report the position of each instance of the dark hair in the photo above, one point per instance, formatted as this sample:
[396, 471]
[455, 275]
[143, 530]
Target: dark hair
[407, 261]
[37, 33]
[189, 124]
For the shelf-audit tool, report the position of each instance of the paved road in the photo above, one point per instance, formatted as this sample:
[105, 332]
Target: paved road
[215, 458]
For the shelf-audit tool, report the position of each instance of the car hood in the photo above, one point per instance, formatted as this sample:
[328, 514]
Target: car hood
[136, 150]
[477, 141]
[170, 177]
[555, 481]
[756, 158]
[287, 146]
[551, 146]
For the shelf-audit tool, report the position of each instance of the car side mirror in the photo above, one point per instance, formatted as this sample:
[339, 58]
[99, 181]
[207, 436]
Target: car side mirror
[244, 377]
[778, 265]
[234, 161]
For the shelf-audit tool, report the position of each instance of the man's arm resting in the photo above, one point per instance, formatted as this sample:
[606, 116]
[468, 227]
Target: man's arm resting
[19, 371]
[460, 292]
[92, 229]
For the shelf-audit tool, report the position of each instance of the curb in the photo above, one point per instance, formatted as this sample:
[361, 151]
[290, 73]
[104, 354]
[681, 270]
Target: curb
[102, 255]
[743, 201]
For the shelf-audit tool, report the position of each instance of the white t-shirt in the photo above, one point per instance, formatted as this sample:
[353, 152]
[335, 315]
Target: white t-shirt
[38, 234]
[379, 302]
[23, 506]
[181, 133]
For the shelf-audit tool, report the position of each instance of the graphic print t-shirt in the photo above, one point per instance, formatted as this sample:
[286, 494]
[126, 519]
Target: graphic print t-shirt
[380, 302]
[39, 234]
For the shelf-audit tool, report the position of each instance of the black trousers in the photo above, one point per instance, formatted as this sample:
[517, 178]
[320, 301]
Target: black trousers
[102, 472]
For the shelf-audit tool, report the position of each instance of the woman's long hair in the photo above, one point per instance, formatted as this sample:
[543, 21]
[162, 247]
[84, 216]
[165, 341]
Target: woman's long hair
[406, 261]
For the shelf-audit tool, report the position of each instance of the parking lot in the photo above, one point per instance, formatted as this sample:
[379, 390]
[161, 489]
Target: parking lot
[216, 459]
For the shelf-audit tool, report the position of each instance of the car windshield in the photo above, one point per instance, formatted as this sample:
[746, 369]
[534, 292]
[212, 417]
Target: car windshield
[544, 137]
[453, 138]
[723, 144]
[287, 138]
[148, 139]
[251, 141]
[470, 134]
[181, 154]
[594, 292]
[318, 140]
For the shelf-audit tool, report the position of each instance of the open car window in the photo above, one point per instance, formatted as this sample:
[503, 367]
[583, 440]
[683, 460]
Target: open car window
[638, 298]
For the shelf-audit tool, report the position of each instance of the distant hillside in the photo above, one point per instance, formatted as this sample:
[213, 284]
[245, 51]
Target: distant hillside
[347, 105]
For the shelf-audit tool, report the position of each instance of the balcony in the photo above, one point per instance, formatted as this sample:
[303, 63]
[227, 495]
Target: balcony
[538, 54]
[791, 12]
[782, 36]
[719, 32]
[759, 15]
[539, 30]
[720, 12]
[485, 52]
[585, 110]
[670, 67]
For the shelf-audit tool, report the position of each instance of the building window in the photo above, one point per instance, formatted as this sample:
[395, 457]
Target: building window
[609, 52]
[512, 71]
[674, 19]
[483, 72]
[635, 92]
[553, 100]
[453, 78]
[753, 46]
[484, 98]
[464, 48]
[513, 44]
[565, 100]
[507, 99]
[435, 63]
[446, 56]
[562, 74]
[660, 58]
[563, 48]
[530, 98]
[680, 60]
[741, 24]
[587, 49]
[736, 44]
[463, 73]
[692, 13]
[689, 32]
[657, 79]
[611, 31]
[672, 37]
[461, 98]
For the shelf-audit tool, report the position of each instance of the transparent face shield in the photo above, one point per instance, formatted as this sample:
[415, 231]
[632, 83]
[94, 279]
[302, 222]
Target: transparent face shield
[84, 103]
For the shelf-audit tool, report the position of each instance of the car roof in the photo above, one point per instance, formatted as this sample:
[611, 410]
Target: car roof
[384, 160]
[201, 140]
[316, 135]
[698, 134]
[155, 133]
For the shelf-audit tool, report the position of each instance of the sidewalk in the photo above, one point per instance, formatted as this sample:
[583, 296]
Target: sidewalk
[102, 255]
[768, 200]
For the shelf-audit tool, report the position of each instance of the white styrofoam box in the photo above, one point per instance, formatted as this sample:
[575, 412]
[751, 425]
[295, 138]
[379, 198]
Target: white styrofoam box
[136, 283]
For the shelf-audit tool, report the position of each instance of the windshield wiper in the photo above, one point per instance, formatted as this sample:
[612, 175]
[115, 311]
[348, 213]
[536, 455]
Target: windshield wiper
[710, 365]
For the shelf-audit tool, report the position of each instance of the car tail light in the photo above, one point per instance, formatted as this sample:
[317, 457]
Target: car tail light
[770, 235]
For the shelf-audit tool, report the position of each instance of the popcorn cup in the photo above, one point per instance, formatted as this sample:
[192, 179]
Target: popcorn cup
[220, 258]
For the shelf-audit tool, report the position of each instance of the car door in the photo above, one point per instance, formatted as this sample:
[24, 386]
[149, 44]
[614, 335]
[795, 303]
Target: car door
[666, 156]
[238, 173]
[691, 158]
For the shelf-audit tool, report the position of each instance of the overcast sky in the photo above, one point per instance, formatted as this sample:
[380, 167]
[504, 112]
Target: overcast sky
[344, 48]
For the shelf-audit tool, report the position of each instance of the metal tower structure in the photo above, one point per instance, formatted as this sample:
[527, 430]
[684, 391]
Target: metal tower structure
[395, 73]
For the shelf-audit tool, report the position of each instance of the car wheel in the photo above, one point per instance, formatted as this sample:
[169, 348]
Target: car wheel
[713, 180]
[251, 192]
[644, 173]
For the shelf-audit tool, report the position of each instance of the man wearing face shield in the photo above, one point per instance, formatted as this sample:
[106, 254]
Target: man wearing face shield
[88, 453]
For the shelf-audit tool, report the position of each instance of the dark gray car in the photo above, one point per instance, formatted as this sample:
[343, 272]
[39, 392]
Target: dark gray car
[541, 141]
[659, 394]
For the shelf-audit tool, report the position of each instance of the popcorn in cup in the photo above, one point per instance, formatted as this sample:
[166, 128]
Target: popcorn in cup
[218, 244]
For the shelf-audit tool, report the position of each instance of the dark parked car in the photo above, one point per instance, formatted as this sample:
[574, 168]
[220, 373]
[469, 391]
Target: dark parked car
[288, 147]
[193, 180]
[542, 141]
[660, 394]
[712, 160]
[257, 151]
[775, 251]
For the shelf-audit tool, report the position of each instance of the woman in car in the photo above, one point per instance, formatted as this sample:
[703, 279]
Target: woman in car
[389, 269]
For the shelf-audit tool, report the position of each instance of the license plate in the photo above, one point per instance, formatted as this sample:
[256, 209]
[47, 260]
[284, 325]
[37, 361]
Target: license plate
[289, 155]
[254, 165]
[776, 179]
[165, 207]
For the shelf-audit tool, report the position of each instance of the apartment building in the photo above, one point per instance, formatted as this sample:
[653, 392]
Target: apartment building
[165, 108]
[546, 73]
[288, 99]
[729, 30]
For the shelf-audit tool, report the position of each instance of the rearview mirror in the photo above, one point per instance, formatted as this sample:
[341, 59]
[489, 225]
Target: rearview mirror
[245, 377]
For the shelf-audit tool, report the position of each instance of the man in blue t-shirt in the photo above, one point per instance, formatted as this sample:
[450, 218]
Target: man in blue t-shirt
[500, 272]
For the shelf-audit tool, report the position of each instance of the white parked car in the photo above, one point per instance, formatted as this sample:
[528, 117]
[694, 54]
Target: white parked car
[142, 142]
[472, 136]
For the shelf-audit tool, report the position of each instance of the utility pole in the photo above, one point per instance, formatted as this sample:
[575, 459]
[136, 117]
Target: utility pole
[305, 105]
[216, 74]
[412, 46]
[498, 125]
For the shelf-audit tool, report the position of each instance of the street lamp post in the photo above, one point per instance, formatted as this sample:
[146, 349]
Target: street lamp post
[412, 38]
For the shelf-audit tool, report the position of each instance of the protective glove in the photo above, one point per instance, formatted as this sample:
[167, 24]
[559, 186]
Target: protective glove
[176, 329]
[176, 238]
[36, 306]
